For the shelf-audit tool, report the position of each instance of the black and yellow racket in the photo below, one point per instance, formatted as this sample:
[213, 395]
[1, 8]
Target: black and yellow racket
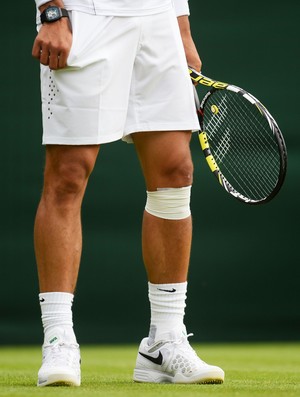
[241, 141]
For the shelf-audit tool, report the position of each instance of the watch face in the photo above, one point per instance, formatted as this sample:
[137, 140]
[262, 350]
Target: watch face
[52, 13]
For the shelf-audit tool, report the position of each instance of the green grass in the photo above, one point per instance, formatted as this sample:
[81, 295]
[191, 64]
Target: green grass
[251, 370]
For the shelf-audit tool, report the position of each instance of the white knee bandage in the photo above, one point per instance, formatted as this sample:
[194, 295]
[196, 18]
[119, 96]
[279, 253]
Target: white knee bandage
[169, 203]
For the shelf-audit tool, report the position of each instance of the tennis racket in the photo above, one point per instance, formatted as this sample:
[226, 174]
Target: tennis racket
[241, 141]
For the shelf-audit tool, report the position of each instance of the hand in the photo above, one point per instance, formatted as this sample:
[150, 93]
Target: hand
[191, 53]
[53, 43]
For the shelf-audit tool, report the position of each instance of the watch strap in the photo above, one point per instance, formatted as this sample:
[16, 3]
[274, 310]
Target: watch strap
[64, 12]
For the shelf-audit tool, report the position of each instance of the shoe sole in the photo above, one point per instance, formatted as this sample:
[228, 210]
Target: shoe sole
[142, 376]
[59, 380]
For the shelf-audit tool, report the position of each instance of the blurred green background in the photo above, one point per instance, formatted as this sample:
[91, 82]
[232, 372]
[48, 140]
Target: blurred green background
[244, 274]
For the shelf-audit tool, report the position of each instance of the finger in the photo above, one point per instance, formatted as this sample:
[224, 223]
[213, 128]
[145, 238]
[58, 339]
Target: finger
[53, 60]
[62, 60]
[44, 56]
[36, 50]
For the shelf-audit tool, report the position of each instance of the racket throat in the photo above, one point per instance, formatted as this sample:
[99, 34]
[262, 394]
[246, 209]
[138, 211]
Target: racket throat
[209, 157]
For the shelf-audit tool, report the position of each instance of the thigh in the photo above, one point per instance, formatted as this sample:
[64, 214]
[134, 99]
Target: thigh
[165, 158]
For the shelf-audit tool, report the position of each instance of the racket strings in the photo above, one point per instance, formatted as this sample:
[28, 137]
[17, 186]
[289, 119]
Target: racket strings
[242, 175]
[262, 143]
[214, 124]
[224, 146]
[242, 142]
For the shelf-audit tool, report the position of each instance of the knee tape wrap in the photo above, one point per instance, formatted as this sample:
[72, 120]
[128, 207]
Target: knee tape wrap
[169, 203]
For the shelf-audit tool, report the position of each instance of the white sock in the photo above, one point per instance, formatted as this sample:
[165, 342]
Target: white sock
[167, 304]
[56, 308]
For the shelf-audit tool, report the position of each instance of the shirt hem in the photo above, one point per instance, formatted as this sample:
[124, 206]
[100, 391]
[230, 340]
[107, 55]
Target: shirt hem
[175, 126]
[111, 12]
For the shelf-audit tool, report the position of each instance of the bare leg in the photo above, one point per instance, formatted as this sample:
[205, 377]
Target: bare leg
[166, 249]
[166, 162]
[57, 237]
[57, 232]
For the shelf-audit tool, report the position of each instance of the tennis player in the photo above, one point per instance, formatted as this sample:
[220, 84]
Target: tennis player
[110, 70]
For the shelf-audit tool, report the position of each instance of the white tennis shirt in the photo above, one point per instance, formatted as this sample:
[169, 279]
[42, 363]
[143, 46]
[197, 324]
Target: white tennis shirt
[124, 7]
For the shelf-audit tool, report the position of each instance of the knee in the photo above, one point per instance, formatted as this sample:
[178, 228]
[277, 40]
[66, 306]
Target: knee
[65, 183]
[179, 172]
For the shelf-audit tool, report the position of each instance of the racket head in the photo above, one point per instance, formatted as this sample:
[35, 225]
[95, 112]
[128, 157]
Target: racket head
[242, 142]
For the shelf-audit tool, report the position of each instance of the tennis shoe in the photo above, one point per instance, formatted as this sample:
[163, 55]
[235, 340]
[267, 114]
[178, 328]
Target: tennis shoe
[173, 361]
[61, 362]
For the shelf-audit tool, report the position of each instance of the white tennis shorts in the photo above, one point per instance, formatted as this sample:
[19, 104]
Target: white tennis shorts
[124, 75]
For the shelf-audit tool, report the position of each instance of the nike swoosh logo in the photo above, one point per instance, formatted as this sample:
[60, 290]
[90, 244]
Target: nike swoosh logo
[167, 290]
[42, 300]
[156, 360]
[42, 380]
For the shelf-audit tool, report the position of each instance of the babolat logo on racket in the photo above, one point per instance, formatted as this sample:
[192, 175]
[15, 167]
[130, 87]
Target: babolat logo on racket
[198, 78]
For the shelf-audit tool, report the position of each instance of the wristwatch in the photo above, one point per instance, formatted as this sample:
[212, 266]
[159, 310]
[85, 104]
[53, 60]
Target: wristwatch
[53, 13]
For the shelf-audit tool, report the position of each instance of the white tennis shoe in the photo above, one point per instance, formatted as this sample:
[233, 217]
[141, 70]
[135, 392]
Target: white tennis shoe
[173, 361]
[61, 362]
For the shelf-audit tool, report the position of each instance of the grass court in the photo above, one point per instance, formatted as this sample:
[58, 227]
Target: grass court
[271, 370]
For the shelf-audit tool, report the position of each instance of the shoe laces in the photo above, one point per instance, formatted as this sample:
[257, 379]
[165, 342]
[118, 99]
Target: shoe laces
[183, 339]
[61, 354]
[185, 359]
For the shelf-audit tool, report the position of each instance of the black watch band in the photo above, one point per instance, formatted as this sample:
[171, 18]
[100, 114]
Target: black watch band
[53, 14]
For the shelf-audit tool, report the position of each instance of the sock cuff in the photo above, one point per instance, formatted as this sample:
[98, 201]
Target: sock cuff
[56, 298]
[158, 289]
